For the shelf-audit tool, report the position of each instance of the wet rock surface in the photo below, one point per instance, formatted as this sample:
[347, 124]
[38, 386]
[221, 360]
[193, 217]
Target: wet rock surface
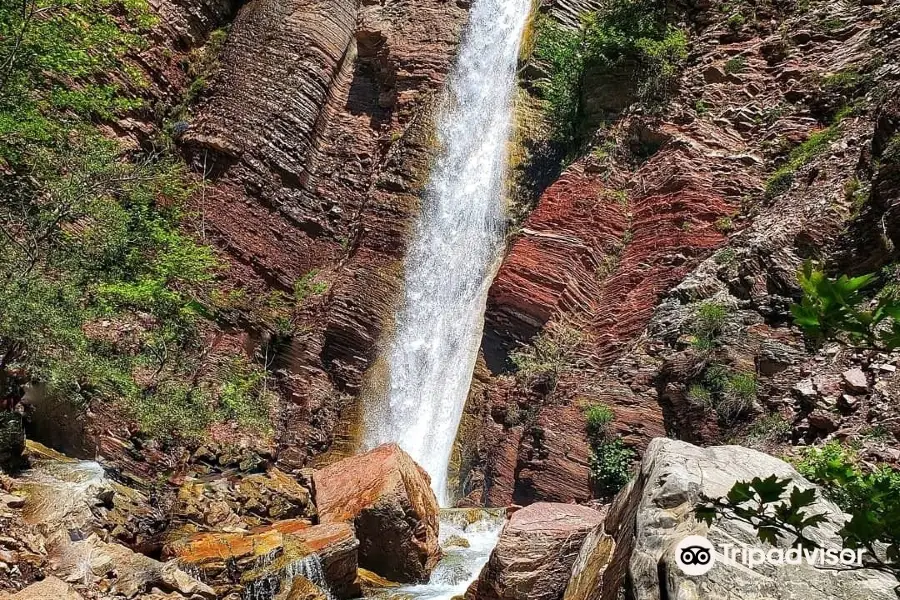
[263, 558]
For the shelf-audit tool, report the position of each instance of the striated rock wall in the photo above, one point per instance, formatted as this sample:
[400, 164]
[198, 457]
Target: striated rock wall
[319, 152]
[664, 212]
[312, 136]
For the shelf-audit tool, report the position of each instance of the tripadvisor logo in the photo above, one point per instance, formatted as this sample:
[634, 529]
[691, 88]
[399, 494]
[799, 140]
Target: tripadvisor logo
[696, 555]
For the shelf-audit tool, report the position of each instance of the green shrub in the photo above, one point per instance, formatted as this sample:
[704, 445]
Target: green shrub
[730, 395]
[237, 392]
[610, 459]
[201, 66]
[715, 378]
[725, 257]
[735, 65]
[307, 286]
[870, 495]
[770, 429]
[560, 49]
[708, 324]
[736, 21]
[781, 180]
[724, 224]
[891, 151]
[831, 25]
[700, 396]
[837, 307]
[636, 31]
[625, 32]
[738, 397]
[856, 194]
[104, 295]
[852, 109]
[610, 464]
[598, 417]
[552, 352]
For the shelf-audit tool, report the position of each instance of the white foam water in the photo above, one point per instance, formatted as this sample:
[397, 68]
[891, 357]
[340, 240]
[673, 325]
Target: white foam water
[467, 545]
[454, 248]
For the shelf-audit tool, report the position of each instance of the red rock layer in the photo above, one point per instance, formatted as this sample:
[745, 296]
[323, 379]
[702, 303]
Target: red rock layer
[553, 263]
[316, 139]
[601, 256]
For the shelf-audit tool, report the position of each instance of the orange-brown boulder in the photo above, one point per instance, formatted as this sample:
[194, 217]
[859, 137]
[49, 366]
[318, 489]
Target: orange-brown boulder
[389, 500]
[263, 555]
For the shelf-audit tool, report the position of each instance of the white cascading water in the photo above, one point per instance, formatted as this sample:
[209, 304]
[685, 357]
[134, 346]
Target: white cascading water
[454, 248]
[466, 543]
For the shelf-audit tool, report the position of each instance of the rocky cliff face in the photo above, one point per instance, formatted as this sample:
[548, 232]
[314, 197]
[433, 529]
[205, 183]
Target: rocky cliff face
[312, 135]
[667, 211]
[316, 138]
[310, 130]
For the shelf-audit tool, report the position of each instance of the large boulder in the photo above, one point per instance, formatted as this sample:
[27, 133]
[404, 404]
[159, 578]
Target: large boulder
[535, 553]
[267, 555]
[389, 500]
[656, 511]
[591, 566]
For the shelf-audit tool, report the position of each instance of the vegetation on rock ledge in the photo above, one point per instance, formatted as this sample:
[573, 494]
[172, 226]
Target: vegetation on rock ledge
[104, 295]
[632, 34]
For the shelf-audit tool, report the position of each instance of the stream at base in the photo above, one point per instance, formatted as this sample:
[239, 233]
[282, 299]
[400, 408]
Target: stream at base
[467, 537]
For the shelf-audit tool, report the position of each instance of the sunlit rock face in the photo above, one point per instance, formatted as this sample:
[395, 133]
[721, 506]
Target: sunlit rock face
[388, 499]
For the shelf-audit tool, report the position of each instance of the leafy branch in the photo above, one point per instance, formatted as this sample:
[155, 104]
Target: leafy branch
[830, 307]
[761, 503]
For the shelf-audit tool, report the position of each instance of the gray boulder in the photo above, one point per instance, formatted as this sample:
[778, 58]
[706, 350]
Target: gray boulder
[656, 511]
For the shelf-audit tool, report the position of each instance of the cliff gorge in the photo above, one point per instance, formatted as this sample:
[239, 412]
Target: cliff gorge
[206, 210]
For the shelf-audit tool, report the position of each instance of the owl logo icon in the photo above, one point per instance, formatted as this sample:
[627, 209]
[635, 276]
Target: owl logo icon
[695, 555]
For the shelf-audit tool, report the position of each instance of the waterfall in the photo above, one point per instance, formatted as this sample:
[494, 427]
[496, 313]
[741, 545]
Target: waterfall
[269, 586]
[466, 544]
[454, 248]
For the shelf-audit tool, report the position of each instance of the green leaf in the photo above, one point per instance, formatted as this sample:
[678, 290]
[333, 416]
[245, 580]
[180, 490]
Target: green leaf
[706, 514]
[768, 534]
[805, 316]
[770, 489]
[856, 283]
[802, 498]
[814, 520]
[740, 493]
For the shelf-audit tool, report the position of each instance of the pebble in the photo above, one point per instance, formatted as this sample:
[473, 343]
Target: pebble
[855, 380]
[849, 402]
